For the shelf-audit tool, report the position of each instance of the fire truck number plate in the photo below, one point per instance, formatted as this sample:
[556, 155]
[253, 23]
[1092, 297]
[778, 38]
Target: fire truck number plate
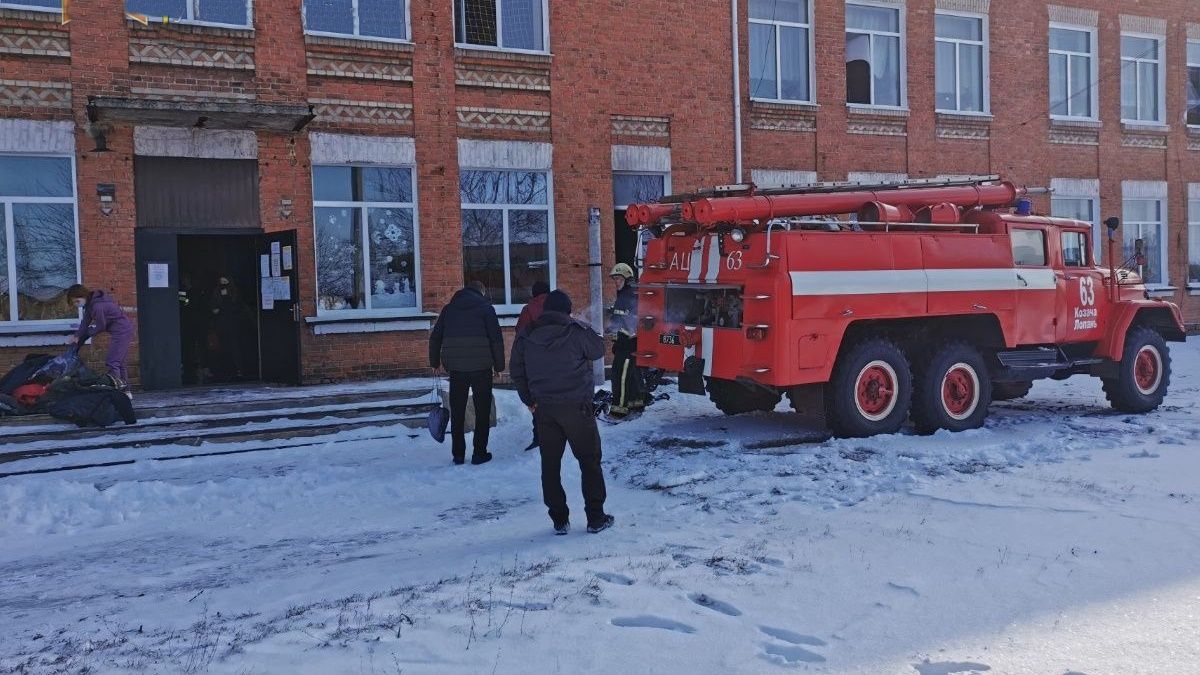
[669, 339]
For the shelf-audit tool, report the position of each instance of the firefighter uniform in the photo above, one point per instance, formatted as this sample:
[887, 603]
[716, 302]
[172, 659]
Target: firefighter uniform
[627, 387]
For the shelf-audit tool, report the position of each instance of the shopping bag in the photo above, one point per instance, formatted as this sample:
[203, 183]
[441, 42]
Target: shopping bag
[439, 417]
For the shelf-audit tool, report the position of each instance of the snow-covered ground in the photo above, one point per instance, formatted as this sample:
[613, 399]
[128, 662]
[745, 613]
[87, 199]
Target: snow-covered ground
[1062, 538]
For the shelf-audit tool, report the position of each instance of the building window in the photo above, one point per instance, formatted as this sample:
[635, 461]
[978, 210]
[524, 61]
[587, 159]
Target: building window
[375, 19]
[1144, 220]
[1194, 242]
[518, 25]
[779, 50]
[33, 5]
[1086, 209]
[1193, 79]
[216, 12]
[507, 232]
[39, 238]
[962, 63]
[874, 56]
[1073, 68]
[1141, 79]
[365, 228]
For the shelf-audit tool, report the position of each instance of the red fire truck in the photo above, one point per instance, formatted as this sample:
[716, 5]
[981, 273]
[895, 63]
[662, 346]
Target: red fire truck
[877, 304]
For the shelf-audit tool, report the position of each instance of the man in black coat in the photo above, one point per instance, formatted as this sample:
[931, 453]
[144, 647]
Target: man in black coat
[466, 341]
[552, 368]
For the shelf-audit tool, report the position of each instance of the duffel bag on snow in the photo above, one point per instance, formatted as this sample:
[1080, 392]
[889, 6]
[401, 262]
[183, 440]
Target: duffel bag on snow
[23, 372]
[29, 395]
[93, 407]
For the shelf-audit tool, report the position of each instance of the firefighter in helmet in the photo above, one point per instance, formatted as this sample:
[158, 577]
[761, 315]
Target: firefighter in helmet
[626, 377]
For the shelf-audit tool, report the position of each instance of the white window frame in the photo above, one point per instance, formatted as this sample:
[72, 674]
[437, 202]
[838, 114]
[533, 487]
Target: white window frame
[362, 208]
[357, 35]
[30, 8]
[1161, 62]
[1190, 64]
[808, 27]
[6, 203]
[984, 44]
[666, 176]
[902, 18]
[1164, 242]
[509, 307]
[1193, 232]
[1097, 248]
[1093, 60]
[498, 47]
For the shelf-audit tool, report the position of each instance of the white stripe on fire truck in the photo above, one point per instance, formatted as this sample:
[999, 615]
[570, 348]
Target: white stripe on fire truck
[706, 350]
[714, 260]
[694, 262]
[870, 282]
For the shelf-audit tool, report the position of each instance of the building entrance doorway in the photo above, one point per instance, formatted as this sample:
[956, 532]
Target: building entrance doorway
[218, 312]
[633, 188]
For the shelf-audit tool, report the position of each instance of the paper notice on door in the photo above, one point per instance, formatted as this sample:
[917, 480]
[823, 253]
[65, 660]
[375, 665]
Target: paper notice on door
[264, 266]
[157, 275]
[268, 294]
[287, 258]
[275, 265]
[283, 288]
[275, 247]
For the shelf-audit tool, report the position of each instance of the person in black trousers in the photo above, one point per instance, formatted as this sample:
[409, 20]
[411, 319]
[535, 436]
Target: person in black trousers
[466, 341]
[552, 369]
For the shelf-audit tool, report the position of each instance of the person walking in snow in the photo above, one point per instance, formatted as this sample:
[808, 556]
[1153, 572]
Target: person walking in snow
[529, 314]
[102, 314]
[466, 340]
[552, 368]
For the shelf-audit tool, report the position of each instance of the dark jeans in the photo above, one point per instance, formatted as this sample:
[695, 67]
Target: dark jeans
[626, 377]
[480, 385]
[574, 423]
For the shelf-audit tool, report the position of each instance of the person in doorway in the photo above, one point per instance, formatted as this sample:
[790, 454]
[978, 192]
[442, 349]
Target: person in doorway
[626, 378]
[230, 319]
[102, 314]
[193, 329]
[529, 314]
[466, 341]
[552, 369]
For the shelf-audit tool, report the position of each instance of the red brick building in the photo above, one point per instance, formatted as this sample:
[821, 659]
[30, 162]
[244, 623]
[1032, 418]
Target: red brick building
[345, 164]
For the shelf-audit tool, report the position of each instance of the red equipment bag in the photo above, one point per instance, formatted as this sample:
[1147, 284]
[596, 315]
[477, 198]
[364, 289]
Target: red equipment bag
[28, 395]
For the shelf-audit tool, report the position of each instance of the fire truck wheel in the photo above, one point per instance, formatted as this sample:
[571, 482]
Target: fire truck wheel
[952, 390]
[870, 391]
[1143, 373]
[1007, 391]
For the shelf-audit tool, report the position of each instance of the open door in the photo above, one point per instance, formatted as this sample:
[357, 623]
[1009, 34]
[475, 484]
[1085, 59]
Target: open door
[279, 308]
[157, 259]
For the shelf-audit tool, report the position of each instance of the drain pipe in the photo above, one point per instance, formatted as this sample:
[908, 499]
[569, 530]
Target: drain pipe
[737, 94]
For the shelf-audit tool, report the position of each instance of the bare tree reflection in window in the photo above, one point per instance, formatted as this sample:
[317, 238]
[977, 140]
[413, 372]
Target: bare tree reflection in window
[483, 250]
[339, 258]
[44, 243]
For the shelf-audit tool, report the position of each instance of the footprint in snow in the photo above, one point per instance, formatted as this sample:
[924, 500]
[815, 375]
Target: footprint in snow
[793, 653]
[614, 578]
[714, 604]
[903, 589]
[950, 668]
[648, 621]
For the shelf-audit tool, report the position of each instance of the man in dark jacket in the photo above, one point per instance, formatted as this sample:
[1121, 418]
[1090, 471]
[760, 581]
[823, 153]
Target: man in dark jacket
[530, 313]
[552, 368]
[466, 341]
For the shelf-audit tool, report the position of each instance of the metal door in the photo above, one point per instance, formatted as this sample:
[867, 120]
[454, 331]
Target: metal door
[279, 308]
[157, 260]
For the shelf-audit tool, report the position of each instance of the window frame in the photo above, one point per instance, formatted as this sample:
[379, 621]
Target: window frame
[1193, 231]
[1088, 261]
[1164, 245]
[12, 323]
[30, 8]
[356, 35]
[776, 25]
[498, 47]
[1041, 232]
[509, 307]
[1093, 60]
[1094, 222]
[191, 21]
[1190, 65]
[362, 208]
[985, 44]
[902, 19]
[1161, 62]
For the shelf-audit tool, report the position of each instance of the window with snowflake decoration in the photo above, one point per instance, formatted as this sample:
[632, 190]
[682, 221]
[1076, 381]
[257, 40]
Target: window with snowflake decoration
[366, 238]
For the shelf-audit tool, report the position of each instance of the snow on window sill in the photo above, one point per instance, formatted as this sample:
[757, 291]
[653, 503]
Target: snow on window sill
[36, 335]
[1145, 127]
[1193, 288]
[784, 103]
[879, 110]
[350, 40]
[326, 325]
[966, 114]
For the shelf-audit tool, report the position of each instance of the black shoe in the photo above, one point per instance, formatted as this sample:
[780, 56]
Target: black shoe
[562, 528]
[459, 460]
[602, 525]
[481, 459]
[532, 444]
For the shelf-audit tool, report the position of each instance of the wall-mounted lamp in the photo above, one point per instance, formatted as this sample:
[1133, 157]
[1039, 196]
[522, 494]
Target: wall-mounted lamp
[285, 208]
[101, 142]
[107, 192]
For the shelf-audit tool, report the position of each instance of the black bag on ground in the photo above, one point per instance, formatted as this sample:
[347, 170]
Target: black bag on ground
[9, 406]
[22, 372]
[94, 406]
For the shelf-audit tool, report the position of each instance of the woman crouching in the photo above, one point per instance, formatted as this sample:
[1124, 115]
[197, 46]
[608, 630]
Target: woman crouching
[101, 314]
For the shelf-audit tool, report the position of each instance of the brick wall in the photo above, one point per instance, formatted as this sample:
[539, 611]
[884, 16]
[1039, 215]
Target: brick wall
[612, 64]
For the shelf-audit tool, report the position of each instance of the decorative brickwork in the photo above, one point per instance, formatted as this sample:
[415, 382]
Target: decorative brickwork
[34, 42]
[502, 77]
[25, 94]
[877, 122]
[193, 54]
[374, 112]
[633, 125]
[1074, 133]
[359, 68]
[964, 127]
[782, 117]
[503, 118]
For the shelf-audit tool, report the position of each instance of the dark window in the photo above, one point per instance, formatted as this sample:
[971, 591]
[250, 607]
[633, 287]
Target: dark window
[507, 24]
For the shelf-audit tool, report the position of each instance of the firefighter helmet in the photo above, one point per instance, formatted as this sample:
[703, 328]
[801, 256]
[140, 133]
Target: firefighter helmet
[621, 270]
